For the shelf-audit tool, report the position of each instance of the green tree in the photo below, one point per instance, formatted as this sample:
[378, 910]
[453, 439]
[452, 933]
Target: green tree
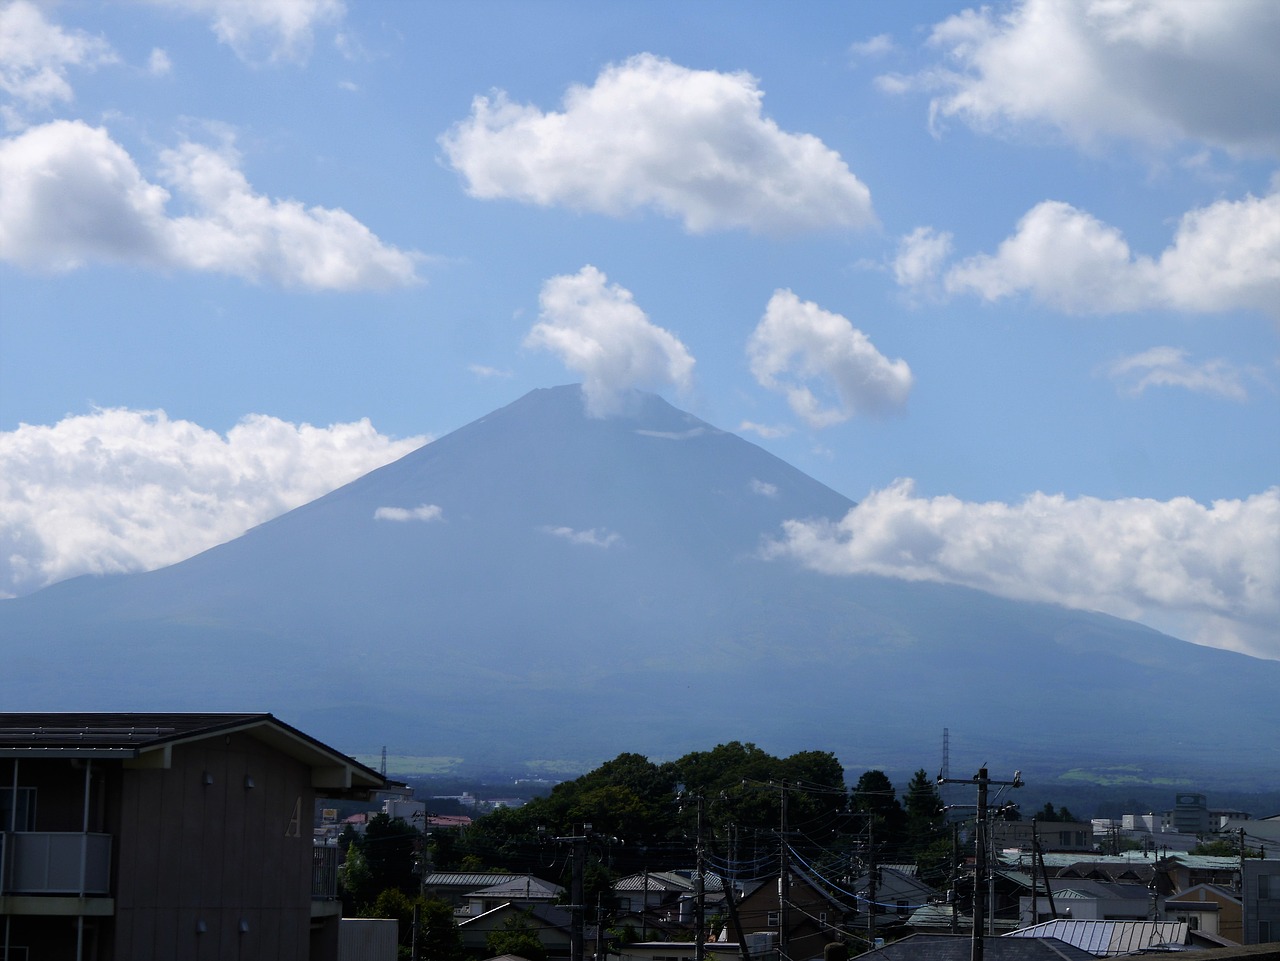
[390, 847]
[357, 882]
[438, 938]
[517, 936]
[875, 799]
[1050, 813]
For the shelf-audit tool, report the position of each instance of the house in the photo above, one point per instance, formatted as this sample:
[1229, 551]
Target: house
[552, 923]
[1089, 900]
[1210, 909]
[803, 916]
[898, 894]
[473, 893]
[129, 837]
[665, 900]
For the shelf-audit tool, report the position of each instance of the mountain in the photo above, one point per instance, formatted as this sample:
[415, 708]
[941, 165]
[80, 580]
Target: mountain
[541, 586]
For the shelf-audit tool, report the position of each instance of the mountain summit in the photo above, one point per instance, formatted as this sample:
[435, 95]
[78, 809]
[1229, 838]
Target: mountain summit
[542, 585]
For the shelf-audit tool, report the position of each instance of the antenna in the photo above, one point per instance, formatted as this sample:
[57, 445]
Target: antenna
[946, 754]
[383, 769]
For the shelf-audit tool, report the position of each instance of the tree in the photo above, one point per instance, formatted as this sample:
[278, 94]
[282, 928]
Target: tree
[517, 936]
[438, 938]
[357, 882]
[390, 846]
[1049, 813]
[875, 798]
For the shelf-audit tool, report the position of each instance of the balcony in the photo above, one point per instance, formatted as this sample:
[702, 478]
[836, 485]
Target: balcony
[45, 862]
[324, 873]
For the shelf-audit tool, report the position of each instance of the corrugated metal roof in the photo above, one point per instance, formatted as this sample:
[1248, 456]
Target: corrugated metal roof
[1109, 938]
[475, 879]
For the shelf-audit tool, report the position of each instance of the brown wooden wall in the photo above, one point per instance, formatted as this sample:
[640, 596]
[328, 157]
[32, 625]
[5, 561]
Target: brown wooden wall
[218, 853]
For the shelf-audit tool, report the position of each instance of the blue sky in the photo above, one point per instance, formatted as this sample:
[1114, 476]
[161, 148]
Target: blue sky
[1008, 276]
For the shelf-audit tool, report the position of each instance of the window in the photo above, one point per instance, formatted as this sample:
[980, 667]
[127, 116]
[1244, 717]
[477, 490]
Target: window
[1266, 888]
[772, 919]
[902, 907]
[26, 810]
[1264, 931]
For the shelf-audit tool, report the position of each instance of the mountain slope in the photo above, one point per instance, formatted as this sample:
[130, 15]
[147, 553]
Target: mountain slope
[542, 585]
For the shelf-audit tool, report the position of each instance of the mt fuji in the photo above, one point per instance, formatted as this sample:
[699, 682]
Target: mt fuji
[544, 586]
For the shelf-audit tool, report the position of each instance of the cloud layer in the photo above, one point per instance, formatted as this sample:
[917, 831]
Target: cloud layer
[598, 331]
[1154, 71]
[798, 347]
[70, 195]
[650, 134]
[1211, 573]
[124, 490]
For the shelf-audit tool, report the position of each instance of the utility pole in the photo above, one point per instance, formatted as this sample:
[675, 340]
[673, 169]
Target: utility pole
[576, 908]
[872, 872]
[784, 881]
[699, 890]
[980, 854]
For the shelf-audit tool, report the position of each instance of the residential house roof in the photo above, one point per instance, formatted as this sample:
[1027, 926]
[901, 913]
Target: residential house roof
[520, 887]
[954, 947]
[149, 737]
[1109, 938]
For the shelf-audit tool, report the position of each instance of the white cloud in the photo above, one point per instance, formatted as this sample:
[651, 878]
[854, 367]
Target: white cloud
[159, 64]
[920, 257]
[1169, 367]
[876, 46]
[275, 30]
[649, 134]
[1225, 256]
[423, 512]
[763, 488]
[35, 55]
[595, 537]
[599, 332]
[767, 431]
[1211, 572]
[71, 195]
[1156, 71]
[798, 346]
[123, 490]
[485, 372]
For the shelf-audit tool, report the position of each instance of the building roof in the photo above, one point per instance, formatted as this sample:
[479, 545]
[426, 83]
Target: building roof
[524, 886]
[471, 880]
[1108, 938]
[955, 947]
[148, 738]
[668, 881]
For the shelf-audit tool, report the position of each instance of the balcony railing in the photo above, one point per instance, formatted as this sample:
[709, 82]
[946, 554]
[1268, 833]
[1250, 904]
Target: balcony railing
[45, 862]
[324, 872]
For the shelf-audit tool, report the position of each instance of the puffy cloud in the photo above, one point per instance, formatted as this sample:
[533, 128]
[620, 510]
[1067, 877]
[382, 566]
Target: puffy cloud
[692, 144]
[767, 431]
[1225, 256]
[594, 537]
[1152, 70]
[797, 345]
[123, 490]
[70, 195]
[276, 30]
[423, 512]
[598, 331]
[35, 55]
[1169, 367]
[1210, 573]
